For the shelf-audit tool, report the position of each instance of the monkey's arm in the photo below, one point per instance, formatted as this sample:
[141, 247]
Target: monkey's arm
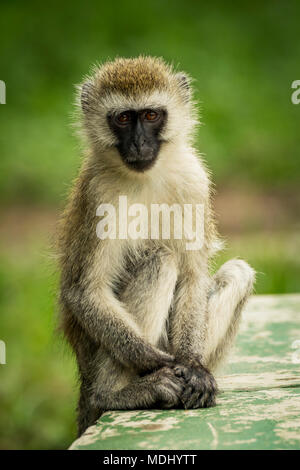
[108, 324]
[188, 328]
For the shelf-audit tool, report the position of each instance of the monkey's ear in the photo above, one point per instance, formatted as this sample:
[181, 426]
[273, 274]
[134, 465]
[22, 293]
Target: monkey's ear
[184, 85]
[85, 95]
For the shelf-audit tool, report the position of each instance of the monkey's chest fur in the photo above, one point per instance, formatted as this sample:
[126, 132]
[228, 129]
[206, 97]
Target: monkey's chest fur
[144, 273]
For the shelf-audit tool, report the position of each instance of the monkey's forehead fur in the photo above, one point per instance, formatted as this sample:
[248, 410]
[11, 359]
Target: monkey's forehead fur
[137, 75]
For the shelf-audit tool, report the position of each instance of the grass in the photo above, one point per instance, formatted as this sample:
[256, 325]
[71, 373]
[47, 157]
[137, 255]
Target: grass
[37, 386]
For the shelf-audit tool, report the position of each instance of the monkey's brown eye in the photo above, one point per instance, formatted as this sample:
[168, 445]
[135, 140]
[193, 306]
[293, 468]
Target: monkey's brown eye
[151, 116]
[123, 118]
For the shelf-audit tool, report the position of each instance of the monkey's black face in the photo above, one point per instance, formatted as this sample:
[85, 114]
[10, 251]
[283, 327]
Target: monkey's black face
[138, 134]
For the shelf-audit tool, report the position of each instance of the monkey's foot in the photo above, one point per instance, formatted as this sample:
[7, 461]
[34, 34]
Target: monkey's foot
[200, 386]
[168, 388]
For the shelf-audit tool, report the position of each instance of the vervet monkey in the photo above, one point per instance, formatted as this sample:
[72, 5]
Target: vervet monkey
[144, 317]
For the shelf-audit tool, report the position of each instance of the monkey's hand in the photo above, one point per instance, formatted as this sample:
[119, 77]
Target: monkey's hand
[200, 386]
[168, 388]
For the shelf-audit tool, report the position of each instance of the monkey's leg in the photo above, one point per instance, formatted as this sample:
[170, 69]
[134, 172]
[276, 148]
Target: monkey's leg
[161, 389]
[87, 415]
[231, 287]
[149, 294]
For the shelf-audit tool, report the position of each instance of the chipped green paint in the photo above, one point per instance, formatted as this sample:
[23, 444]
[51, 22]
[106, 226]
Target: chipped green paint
[259, 407]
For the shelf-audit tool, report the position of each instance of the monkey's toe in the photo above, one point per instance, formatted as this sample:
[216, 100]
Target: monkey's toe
[200, 391]
[168, 388]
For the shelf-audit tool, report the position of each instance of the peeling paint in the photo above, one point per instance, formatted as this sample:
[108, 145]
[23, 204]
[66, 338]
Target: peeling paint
[215, 440]
[266, 380]
[89, 437]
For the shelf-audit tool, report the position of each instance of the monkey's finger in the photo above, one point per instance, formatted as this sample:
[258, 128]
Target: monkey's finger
[185, 397]
[167, 398]
[169, 405]
[183, 372]
[172, 377]
[207, 400]
[193, 400]
[177, 386]
[202, 399]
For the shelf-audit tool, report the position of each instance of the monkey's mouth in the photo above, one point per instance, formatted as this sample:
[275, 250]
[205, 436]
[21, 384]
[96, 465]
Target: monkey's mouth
[139, 159]
[140, 164]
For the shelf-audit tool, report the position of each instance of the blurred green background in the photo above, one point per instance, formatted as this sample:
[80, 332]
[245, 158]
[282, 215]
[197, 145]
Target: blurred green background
[243, 57]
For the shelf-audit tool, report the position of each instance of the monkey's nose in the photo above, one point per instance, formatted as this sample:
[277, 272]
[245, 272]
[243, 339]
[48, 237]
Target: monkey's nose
[142, 141]
[139, 142]
[136, 147]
